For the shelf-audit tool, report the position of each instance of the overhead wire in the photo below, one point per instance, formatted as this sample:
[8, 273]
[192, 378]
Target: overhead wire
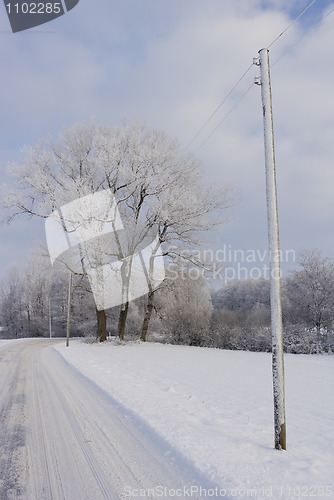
[291, 24]
[243, 76]
[226, 115]
[218, 107]
[314, 27]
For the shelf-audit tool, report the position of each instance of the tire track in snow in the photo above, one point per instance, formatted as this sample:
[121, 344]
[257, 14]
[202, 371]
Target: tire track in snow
[12, 424]
[64, 439]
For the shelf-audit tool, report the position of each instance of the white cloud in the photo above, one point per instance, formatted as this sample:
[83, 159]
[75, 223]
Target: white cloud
[171, 63]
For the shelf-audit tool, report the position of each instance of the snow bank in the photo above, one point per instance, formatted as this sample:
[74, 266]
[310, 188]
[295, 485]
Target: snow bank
[216, 408]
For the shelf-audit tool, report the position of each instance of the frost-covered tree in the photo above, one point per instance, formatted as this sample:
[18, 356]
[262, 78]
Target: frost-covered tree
[184, 213]
[34, 299]
[158, 190]
[311, 292]
[241, 318]
[185, 307]
[24, 298]
[242, 295]
[13, 313]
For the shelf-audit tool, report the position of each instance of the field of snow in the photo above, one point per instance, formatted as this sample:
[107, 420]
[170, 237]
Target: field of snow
[215, 407]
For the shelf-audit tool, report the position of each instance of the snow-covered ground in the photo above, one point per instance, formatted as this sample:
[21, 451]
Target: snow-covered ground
[216, 408]
[4, 342]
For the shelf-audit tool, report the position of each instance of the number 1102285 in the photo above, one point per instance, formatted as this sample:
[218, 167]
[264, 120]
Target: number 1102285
[34, 8]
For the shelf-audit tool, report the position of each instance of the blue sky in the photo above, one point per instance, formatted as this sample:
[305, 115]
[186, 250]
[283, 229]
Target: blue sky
[170, 63]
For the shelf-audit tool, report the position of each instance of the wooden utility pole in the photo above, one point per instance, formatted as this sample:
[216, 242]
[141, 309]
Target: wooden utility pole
[69, 311]
[50, 319]
[273, 235]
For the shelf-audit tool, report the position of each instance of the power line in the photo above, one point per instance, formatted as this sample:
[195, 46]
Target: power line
[314, 27]
[291, 24]
[226, 115]
[218, 107]
[243, 76]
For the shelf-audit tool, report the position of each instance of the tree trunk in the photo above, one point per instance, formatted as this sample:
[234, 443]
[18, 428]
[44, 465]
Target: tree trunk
[319, 348]
[122, 320]
[29, 320]
[148, 314]
[101, 325]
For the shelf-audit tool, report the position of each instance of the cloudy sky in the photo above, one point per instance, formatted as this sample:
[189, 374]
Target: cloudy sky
[171, 63]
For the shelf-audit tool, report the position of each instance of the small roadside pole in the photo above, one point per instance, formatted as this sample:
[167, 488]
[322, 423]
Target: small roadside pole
[69, 311]
[273, 235]
[50, 319]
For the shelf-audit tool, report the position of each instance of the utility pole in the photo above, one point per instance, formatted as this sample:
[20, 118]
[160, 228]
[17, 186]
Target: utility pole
[69, 311]
[273, 235]
[50, 319]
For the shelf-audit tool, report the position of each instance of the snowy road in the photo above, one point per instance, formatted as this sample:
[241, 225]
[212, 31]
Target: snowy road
[63, 438]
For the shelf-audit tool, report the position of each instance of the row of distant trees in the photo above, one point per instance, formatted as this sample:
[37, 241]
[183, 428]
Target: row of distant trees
[241, 318]
[34, 302]
[238, 315]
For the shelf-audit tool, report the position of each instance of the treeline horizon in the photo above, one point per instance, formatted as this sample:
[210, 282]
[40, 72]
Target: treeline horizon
[34, 303]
